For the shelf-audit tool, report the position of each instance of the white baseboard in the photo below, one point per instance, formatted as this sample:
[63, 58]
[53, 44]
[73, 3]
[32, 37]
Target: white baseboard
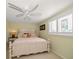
[58, 55]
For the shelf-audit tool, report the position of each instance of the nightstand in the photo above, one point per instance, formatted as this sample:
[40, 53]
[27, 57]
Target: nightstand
[12, 39]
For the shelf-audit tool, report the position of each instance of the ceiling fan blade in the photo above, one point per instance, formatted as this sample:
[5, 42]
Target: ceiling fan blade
[15, 7]
[34, 8]
[19, 15]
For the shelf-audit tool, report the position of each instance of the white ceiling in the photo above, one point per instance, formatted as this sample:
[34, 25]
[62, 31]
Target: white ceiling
[47, 8]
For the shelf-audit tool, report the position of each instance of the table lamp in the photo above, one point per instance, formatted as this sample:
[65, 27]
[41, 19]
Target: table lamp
[13, 34]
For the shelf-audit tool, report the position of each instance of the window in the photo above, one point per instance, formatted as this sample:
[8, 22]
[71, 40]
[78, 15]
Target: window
[52, 26]
[65, 24]
[61, 25]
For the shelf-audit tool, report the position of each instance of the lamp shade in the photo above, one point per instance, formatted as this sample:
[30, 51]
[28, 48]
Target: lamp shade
[13, 34]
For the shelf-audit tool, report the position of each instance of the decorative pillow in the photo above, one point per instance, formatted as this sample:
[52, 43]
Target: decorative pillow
[29, 34]
[24, 35]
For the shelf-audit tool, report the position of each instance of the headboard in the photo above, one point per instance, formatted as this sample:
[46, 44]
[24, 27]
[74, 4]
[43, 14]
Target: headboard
[28, 30]
[28, 33]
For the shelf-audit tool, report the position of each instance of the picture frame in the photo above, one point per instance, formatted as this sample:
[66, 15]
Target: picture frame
[42, 27]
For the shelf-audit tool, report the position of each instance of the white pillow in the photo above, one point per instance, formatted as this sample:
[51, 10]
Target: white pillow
[19, 35]
[24, 36]
[33, 35]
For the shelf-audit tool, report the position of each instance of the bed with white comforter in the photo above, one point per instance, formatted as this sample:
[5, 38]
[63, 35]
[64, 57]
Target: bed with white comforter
[25, 46]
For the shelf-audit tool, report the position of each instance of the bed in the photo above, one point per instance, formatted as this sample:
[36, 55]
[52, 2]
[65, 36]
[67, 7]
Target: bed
[29, 45]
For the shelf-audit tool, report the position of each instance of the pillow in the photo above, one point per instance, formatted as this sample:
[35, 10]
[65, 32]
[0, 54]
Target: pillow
[29, 34]
[24, 35]
[33, 34]
[19, 35]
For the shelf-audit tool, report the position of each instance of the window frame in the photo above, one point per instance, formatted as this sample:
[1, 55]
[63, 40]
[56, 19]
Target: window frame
[61, 33]
[56, 26]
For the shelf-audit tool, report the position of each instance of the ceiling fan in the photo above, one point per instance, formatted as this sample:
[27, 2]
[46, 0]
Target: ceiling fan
[26, 13]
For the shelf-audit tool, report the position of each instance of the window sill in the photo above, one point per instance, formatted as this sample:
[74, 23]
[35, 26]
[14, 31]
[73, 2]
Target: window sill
[62, 34]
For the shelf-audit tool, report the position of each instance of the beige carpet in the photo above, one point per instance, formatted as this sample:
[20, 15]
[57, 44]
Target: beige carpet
[40, 56]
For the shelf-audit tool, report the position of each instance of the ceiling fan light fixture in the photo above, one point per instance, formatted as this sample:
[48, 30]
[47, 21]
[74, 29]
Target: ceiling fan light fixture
[26, 11]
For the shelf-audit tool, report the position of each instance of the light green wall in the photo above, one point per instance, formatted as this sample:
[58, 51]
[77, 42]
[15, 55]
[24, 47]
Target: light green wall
[16, 26]
[62, 45]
